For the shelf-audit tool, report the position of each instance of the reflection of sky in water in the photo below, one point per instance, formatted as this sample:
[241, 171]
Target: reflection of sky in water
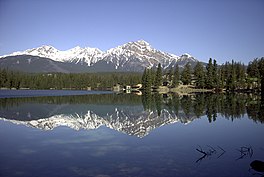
[166, 151]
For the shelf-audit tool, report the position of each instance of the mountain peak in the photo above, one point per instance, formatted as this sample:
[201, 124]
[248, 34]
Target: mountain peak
[131, 56]
[76, 48]
[43, 48]
[186, 55]
[142, 42]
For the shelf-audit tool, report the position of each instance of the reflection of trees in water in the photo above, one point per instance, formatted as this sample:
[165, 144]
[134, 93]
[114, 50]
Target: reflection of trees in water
[186, 105]
[231, 106]
[75, 99]
[152, 101]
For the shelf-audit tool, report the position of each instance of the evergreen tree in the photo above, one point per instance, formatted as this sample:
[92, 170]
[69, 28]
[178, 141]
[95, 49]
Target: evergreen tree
[233, 77]
[186, 74]
[253, 74]
[153, 75]
[241, 75]
[253, 69]
[209, 74]
[4, 78]
[261, 74]
[170, 75]
[148, 80]
[144, 78]
[158, 78]
[176, 77]
[199, 75]
[215, 75]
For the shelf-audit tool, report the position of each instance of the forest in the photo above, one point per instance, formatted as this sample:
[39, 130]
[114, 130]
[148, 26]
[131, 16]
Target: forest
[230, 76]
[83, 81]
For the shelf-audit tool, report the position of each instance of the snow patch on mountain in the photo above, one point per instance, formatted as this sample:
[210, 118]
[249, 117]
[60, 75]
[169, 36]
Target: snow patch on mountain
[137, 54]
[76, 55]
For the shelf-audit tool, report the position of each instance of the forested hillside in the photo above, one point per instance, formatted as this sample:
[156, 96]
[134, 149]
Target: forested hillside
[230, 76]
[11, 79]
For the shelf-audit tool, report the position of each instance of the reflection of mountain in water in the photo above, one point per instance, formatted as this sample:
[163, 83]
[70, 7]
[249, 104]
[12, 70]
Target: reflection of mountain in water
[122, 120]
[131, 114]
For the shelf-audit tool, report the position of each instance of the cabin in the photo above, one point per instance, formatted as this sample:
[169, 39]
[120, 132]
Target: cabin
[127, 87]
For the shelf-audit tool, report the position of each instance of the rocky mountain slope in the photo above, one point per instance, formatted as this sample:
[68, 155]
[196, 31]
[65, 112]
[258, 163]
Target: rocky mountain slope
[132, 56]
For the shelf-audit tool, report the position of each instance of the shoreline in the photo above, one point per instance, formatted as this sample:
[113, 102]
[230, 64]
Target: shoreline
[43, 93]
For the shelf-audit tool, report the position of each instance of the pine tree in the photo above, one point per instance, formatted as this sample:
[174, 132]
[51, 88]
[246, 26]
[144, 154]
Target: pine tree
[215, 75]
[143, 80]
[158, 78]
[176, 77]
[186, 74]
[253, 70]
[221, 77]
[199, 75]
[170, 75]
[153, 75]
[253, 73]
[148, 80]
[3, 78]
[241, 76]
[233, 77]
[209, 74]
[261, 74]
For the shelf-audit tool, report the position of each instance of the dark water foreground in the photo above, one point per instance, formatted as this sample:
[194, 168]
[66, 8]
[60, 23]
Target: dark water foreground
[129, 135]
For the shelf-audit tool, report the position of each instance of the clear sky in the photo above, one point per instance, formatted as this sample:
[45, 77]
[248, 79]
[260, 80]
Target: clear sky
[221, 29]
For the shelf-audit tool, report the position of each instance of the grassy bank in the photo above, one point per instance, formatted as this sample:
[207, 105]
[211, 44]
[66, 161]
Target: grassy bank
[182, 89]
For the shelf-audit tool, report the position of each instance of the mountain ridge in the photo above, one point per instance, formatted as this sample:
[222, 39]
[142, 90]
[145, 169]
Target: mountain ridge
[131, 56]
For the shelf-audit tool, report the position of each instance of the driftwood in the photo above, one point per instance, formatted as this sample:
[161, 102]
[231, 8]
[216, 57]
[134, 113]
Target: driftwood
[210, 151]
[245, 152]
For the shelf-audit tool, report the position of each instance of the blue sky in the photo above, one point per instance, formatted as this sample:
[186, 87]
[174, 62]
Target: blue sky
[223, 30]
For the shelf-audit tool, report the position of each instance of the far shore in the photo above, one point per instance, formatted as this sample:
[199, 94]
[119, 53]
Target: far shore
[182, 90]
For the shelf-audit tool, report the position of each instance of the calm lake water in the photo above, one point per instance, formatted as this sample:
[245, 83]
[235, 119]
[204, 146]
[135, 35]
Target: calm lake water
[129, 135]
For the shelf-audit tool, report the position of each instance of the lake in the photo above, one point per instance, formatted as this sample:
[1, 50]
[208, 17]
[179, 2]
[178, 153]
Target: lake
[110, 134]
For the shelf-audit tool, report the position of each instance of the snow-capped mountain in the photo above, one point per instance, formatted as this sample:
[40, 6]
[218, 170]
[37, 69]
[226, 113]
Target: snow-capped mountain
[139, 54]
[132, 56]
[77, 54]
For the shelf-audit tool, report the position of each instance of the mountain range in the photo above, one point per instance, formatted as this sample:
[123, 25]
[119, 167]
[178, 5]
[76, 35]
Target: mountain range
[132, 56]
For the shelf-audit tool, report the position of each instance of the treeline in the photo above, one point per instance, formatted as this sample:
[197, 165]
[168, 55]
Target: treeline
[230, 76]
[12, 79]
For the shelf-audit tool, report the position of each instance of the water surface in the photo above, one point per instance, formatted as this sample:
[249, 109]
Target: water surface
[38, 93]
[130, 135]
